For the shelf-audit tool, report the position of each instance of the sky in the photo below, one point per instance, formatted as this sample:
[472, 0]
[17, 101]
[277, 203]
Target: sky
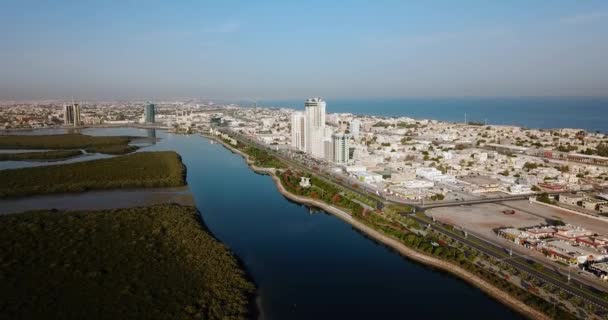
[140, 49]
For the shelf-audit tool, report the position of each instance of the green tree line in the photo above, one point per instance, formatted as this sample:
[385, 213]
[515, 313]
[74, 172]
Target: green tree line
[101, 144]
[41, 155]
[137, 170]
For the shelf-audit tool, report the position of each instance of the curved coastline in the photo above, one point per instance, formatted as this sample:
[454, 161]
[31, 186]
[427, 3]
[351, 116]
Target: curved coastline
[484, 286]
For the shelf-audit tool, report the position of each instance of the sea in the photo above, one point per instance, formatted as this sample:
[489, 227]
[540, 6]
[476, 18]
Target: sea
[590, 114]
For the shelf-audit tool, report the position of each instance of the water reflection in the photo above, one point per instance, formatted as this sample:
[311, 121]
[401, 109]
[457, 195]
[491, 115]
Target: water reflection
[151, 134]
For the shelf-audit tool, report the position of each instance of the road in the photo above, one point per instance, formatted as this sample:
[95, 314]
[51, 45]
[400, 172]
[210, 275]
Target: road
[573, 287]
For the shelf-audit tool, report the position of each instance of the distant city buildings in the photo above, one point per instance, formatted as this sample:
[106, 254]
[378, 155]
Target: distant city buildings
[150, 113]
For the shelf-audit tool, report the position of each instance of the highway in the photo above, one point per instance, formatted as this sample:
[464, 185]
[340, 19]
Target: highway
[473, 201]
[574, 287]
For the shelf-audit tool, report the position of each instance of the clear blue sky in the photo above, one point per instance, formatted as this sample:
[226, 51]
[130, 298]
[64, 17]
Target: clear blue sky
[292, 49]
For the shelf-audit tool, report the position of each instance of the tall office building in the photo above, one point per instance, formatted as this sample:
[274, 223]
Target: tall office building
[355, 126]
[150, 113]
[341, 148]
[68, 114]
[315, 127]
[76, 107]
[298, 131]
[71, 114]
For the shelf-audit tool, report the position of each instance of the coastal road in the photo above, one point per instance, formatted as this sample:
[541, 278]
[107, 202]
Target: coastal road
[577, 289]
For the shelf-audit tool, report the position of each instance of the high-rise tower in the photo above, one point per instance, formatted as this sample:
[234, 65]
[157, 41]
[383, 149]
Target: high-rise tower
[71, 114]
[150, 113]
[76, 107]
[315, 127]
[355, 127]
[298, 131]
[68, 114]
[341, 148]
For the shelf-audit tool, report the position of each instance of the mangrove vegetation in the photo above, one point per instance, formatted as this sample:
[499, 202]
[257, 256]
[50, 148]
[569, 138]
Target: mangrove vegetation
[92, 144]
[157, 262]
[136, 170]
[40, 155]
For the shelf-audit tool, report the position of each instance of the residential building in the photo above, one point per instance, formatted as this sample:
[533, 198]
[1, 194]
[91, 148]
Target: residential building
[298, 131]
[571, 199]
[315, 127]
[341, 148]
[355, 127]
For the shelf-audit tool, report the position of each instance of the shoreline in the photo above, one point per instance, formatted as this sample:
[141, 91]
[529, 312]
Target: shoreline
[484, 286]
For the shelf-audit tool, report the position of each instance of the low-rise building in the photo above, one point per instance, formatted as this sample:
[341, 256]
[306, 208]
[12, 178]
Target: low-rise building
[571, 233]
[513, 234]
[368, 177]
[593, 203]
[570, 198]
[566, 252]
[541, 232]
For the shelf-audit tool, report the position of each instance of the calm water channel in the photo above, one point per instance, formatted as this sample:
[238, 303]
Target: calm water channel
[311, 266]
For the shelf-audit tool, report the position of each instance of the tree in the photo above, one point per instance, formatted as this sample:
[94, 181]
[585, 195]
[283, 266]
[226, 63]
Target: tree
[544, 197]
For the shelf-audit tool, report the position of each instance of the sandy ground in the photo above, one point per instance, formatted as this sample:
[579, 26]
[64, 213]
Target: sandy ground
[483, 218]
[99, 200]
[480, 219]
[540, 210]
[401, 248]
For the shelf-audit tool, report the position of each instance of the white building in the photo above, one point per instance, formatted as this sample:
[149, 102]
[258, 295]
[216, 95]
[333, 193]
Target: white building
[368, 177]
[417, 184]
[341, 148]
[315, 127]
[355, 127]
[298, 131]
[328, 150]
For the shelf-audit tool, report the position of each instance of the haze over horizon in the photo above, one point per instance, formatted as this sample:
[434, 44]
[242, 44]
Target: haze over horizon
[280, 50]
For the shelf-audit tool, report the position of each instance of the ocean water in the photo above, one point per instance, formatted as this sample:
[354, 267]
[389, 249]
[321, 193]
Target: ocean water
[590, 114]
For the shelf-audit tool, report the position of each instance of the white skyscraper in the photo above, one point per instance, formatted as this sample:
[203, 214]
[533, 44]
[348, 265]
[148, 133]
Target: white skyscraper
[315, 127]
[341, 148]
[298, 131]
[355, 126]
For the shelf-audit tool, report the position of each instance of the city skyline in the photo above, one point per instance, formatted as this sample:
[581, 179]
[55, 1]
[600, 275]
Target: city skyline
[267, 50]
[294, 160]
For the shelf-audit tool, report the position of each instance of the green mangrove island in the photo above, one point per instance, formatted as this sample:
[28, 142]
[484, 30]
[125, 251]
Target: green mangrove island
[136, 170]
[40, 156]
[93, 144]
[157, 262]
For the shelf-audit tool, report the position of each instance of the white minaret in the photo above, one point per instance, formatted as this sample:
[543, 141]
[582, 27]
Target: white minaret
[298, 131]
[315, 126]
